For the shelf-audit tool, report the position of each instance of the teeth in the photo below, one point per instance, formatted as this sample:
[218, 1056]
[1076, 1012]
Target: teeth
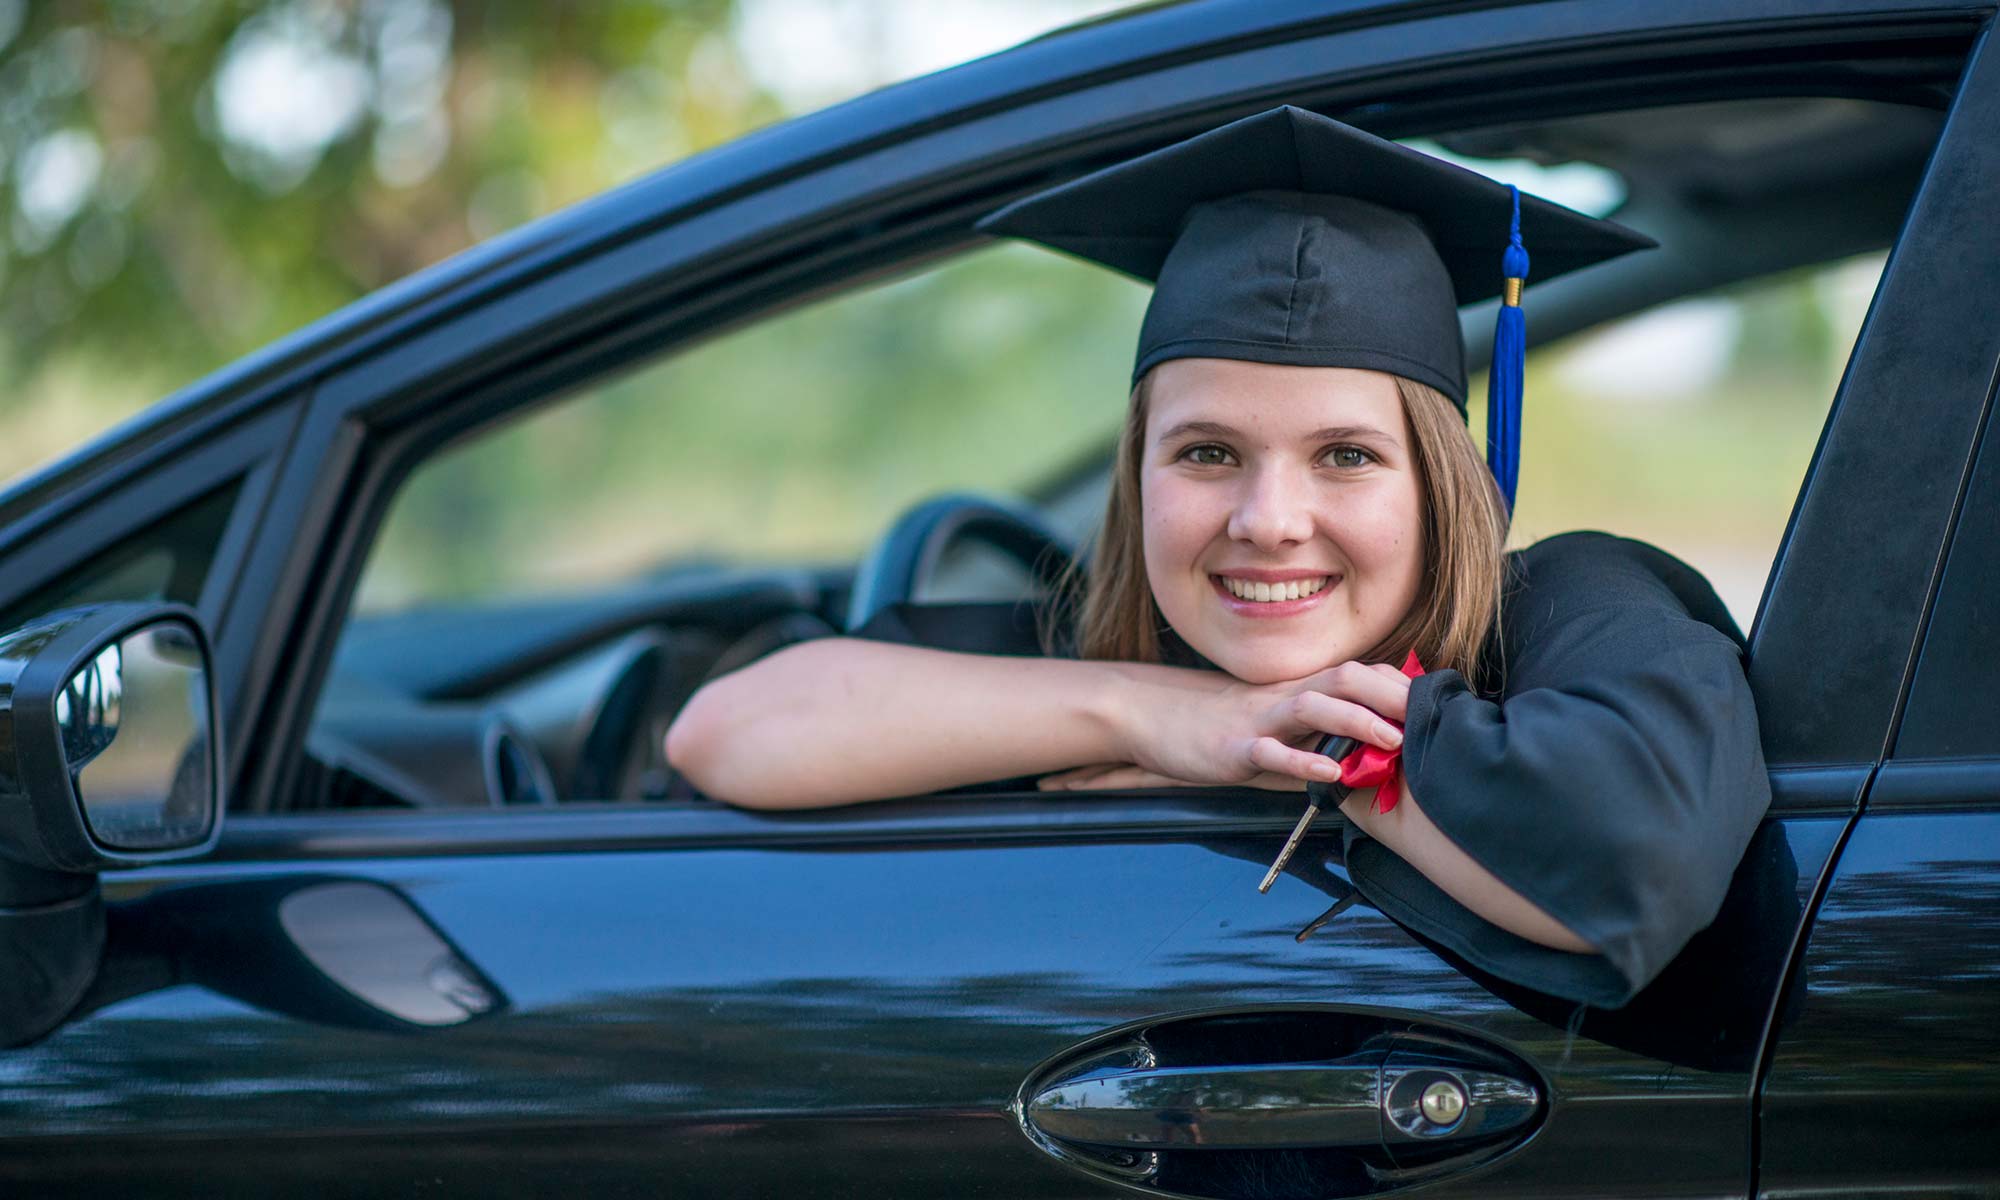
[1266, 593]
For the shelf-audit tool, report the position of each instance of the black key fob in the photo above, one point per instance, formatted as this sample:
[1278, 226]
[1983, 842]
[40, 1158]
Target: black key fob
[1336, 748]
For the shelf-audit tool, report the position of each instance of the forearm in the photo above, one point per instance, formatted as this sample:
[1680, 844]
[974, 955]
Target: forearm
[1407, 832]
[840, 720]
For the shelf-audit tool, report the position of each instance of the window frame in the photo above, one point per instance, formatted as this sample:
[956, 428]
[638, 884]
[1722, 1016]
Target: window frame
[157, 484]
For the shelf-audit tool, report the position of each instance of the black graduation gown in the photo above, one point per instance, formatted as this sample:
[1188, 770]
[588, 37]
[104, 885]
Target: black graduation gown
[1613, 779]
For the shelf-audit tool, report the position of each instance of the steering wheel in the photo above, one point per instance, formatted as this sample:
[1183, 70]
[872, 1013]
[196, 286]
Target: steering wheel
[905, 557]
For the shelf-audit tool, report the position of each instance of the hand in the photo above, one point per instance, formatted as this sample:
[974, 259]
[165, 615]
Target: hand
[1102, 777]
[1187, 728]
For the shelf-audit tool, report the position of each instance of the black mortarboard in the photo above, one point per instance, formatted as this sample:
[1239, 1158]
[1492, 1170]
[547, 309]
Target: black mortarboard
[1291, 238]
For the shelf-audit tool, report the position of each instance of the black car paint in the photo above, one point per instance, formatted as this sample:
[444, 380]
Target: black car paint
[736, 1003]
[1903, 964]
[1884, 1077]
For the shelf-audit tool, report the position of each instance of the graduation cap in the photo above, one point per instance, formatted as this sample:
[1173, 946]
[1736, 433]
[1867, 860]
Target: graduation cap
[1291, 238]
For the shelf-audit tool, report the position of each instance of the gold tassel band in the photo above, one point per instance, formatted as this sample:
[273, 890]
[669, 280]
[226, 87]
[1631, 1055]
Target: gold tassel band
[1512, 298]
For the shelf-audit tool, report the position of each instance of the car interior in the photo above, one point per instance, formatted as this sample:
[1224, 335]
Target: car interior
[563, 698]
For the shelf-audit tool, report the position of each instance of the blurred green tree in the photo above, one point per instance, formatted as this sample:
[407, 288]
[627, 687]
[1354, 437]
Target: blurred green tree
[186, 180]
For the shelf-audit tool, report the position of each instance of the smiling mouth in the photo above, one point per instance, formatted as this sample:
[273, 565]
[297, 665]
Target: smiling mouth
[1259, 592]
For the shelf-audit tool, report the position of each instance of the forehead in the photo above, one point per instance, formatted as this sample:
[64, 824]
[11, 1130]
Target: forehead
[1270, 399]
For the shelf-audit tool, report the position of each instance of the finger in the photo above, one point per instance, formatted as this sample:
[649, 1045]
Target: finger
[1126, 777]
[1270, 754]
[1075, 776]
[1327, 714]
[1387, 692]
[1271, 781]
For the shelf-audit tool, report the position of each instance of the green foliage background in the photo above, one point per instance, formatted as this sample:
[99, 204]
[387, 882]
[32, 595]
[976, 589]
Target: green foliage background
[193, 244]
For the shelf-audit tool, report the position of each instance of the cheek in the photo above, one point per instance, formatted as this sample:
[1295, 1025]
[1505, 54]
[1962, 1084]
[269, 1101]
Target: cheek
[1386, 540]
[1177, 530]
[1401, 543]
[1173, 525]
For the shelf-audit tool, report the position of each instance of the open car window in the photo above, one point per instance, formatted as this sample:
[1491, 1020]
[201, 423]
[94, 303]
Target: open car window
[544, 594]
[790, 442]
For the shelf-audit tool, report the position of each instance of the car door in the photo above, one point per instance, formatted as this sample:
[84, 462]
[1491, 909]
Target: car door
[1884, 1051]
[690, 998]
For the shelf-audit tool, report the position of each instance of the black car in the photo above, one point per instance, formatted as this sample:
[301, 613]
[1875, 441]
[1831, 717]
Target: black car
[462, 933]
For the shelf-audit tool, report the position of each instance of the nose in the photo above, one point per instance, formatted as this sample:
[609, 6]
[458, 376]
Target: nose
[1273, 510]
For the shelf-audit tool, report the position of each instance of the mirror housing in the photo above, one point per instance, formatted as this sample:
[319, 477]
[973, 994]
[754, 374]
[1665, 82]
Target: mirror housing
[64, 700]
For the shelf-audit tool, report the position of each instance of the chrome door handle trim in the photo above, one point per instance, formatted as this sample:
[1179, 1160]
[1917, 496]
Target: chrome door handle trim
[1267, 1107]
[1362, 1100]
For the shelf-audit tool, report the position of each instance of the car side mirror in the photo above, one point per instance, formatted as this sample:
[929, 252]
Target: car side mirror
[108, 758]
[108, 750]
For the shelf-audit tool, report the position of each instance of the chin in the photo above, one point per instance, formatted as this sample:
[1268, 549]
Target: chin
[1268, 665]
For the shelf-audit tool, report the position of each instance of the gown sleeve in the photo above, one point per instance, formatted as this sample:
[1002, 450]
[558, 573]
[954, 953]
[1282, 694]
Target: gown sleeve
[1614, 783]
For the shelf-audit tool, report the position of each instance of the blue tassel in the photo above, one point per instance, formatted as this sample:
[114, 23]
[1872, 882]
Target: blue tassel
[1510, 353]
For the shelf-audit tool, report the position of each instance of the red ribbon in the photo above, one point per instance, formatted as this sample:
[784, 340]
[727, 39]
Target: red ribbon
[1372, 766]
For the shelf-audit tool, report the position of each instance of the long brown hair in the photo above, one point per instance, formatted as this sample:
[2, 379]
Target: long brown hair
[1464, 531]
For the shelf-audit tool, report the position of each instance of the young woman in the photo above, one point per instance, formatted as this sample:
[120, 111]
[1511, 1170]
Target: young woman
[1296, 508]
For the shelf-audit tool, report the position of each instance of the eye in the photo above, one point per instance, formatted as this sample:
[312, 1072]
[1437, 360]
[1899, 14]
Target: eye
[1207, 454]
[1349, 457]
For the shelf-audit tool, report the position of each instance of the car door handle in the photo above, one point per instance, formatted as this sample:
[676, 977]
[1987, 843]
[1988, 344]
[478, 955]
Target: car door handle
[1365, 1099]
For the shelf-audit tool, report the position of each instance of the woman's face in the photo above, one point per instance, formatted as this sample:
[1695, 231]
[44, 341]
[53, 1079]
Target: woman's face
[1281, 510]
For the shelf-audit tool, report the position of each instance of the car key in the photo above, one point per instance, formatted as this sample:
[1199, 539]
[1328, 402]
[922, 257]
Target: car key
[1317, 794]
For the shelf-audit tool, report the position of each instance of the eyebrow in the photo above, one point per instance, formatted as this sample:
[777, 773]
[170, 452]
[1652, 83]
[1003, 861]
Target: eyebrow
[1331, 433]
